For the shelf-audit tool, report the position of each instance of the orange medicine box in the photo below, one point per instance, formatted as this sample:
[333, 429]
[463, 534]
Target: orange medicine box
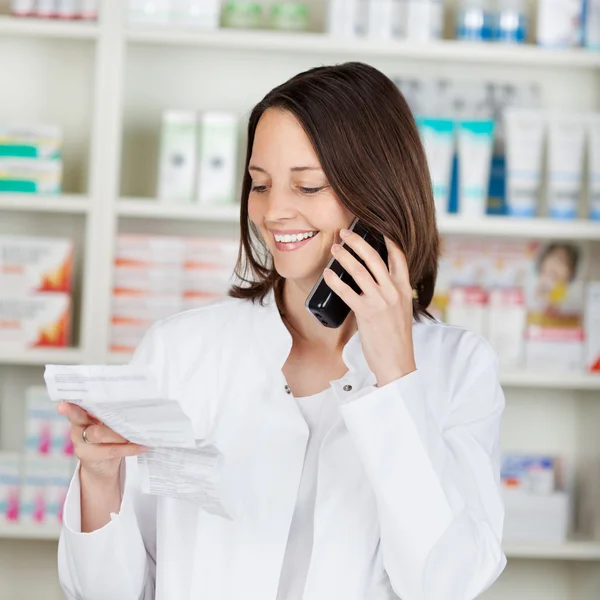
[35, 264]
[37, 321]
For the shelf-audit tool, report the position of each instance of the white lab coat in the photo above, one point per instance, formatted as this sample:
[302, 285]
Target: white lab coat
[407, 505]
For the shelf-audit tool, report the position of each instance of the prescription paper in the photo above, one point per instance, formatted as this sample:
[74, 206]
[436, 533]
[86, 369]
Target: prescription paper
[127, 400]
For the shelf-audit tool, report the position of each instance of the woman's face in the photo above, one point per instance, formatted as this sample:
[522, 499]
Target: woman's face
[291, 202]
[555, 269]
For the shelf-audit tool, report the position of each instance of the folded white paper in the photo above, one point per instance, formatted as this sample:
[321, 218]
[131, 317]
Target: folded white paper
[128, 401]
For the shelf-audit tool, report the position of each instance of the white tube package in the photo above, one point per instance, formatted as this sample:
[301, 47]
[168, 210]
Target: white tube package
[566, 144]
[593, 128]
[524, 132]
[437, 136]
[475, 145]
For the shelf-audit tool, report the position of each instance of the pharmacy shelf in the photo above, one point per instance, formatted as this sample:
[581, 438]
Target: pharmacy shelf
[70, 204]
[20, 531]
[316, 43]
[153, 209]
[551, 380]
[537, 227]
[47, 28]
[43, 356]
[571, 550]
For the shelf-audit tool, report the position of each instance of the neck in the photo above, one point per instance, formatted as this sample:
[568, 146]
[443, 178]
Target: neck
[304, 328]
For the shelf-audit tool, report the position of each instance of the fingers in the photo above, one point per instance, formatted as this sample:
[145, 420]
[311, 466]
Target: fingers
[76, 414]
[371, 257]
[343, 290]
[398, 265]
[88, 453]
[100, 434]
[357, 271]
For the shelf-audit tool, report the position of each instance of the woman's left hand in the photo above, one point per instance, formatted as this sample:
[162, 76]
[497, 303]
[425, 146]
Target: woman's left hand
[384, 311]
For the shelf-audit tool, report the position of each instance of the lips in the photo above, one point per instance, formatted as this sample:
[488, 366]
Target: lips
[292, 246]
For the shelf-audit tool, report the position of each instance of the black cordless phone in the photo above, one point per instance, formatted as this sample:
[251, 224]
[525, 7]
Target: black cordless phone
[322, 302]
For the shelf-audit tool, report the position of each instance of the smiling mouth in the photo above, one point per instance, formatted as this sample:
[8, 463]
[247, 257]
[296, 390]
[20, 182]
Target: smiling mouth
[294, 241]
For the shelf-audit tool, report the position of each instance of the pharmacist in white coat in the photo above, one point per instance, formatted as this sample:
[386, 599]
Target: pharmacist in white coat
[361, 462]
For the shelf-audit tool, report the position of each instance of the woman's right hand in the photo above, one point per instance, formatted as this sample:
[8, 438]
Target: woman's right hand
[101, 456]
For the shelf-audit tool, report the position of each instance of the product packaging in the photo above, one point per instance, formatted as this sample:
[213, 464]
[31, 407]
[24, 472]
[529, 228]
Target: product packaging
[468, 308]
[89, 9]
[475, 144]
[536, 490]
[151, 12]
[199, 14]
[386, 19]
[47, 9]
[46, 432]
[512, 21]
[507, 315]
[593, 127]
[475, 21]
[566, 144]
[242, 14]
[132, 316]
[35, 264]
[23, 8]
[44, 488]
[437, 136]
[10, 479]
[68, 9]
[136, 250]
[147, 281]
[290, 16]
[592, 327]
[177, 171]
[30, 141]
[36, 321]
[559, 23]
[524, 142]
[218, 146]
[207, 282]
[552, 349]
[204, 252]
[424, 20]
[30, 175]
[346, 18]
[591, 24]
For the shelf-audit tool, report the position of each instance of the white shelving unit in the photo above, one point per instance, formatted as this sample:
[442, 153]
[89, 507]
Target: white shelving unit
[134, 74]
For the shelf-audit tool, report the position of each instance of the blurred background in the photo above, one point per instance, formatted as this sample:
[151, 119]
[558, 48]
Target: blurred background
[121, 144]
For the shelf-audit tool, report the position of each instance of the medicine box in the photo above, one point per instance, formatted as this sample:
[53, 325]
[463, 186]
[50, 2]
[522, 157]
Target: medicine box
[30, 175]
[35, 264]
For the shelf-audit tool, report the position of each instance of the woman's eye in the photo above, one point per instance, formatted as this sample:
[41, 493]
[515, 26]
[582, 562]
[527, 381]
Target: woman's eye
[310, 190]
[259, 189]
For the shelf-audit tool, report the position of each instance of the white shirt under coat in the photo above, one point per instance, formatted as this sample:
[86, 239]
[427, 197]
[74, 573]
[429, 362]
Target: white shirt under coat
[407, 497]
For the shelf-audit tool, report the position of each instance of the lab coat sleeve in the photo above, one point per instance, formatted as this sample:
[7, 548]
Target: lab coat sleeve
[436, 483]
[117, 561]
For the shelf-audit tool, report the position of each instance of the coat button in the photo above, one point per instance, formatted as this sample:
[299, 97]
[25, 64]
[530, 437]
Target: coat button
[347, 388]
[287, 389]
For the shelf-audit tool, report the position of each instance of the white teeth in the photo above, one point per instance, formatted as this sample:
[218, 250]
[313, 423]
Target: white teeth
[294, 237]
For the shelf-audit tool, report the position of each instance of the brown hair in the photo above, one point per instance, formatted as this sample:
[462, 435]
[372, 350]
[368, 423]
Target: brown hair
[366, 140]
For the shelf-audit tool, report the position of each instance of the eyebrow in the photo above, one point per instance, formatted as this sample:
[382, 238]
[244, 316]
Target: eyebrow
[293, 169]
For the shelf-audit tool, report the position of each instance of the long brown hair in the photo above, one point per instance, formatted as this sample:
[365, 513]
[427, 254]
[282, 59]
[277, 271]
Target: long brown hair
[366, 140]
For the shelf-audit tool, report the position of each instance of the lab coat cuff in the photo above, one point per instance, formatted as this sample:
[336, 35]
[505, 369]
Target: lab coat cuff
[399, 442]
[117, 546]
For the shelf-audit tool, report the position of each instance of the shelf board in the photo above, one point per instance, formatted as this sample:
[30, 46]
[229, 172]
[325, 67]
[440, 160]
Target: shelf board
[154, 209]
[42, 356]
[47, 28]
[18, 531]
[322, 43]
[67, 203]
[571, 550]
[538, 227]
[550, 380]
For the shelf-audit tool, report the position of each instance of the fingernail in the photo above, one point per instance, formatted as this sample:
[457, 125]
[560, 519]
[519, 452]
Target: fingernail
[336, 248]
[345, 232]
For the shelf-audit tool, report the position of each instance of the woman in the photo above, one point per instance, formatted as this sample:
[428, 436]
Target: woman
[362, 462]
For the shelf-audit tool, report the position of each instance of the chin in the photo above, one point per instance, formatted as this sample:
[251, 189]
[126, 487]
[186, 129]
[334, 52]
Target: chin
[303, 277]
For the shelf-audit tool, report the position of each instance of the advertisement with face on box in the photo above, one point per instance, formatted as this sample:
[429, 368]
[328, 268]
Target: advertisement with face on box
[555, 303]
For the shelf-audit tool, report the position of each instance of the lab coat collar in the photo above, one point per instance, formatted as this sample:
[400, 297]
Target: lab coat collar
[277, 340]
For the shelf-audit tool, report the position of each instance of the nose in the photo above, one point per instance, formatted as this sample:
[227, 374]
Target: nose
[280, 206]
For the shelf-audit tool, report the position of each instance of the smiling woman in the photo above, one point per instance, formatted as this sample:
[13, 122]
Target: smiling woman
[337, 141]
[359, 462]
